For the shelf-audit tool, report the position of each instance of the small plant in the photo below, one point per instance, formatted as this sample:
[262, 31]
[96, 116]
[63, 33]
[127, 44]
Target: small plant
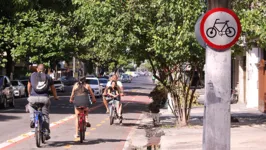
[159, 97]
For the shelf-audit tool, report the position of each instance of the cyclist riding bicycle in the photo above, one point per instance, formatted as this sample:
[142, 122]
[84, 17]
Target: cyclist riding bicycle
[80, 98]
[38, 87]
[120, 86]
[114, 92]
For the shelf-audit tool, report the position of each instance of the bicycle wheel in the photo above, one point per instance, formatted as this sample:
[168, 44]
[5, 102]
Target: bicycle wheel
[38, 135]
[211, 32]
[230, 32]
[111, 116]
[81, 131]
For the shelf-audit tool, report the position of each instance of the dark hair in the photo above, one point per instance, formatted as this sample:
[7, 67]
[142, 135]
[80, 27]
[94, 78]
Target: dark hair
[114, 82]
[82, 80]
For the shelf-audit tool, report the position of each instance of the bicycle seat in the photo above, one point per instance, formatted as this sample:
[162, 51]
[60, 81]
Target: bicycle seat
[81, 107]
[37, 105]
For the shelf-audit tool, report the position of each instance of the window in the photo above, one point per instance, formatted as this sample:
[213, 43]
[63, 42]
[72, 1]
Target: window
[57, 82]
[14, 83]
[103, 81]
[92, 81]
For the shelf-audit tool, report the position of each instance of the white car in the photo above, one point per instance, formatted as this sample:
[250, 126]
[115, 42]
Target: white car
[134, 74]
[59, 86]
[18, 88]
[95, 86]
[103, 82]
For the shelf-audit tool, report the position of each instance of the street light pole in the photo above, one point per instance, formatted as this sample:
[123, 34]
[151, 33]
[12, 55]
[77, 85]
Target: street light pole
[74, 66]
[216, 130]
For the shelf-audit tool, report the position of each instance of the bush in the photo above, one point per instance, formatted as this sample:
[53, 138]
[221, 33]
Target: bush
[159, 97]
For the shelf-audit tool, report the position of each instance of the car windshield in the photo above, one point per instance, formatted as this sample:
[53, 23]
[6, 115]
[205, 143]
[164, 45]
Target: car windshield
[14, 83]
[57, 82]
[92, 81]
[103, 81]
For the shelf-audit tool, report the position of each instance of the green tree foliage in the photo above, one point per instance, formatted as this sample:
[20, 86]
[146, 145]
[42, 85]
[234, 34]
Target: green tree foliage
[252, 14]
[37, 31]
[163, 32]
[103, 24]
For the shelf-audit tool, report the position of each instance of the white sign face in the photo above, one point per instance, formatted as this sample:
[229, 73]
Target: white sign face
[220, 28]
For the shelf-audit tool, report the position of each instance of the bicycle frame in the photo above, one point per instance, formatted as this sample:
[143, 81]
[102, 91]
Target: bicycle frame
[225, 25]
[38, 118]
[81, 124]
[81, 119]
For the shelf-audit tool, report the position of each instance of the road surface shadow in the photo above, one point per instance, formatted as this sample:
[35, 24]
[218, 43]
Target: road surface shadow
[129, 124]
[137, 94]
[8, 117]
[54, 144]
[131, 119]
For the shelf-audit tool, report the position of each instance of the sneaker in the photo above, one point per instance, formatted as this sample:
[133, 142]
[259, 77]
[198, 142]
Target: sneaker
[107, 111]
[76, 136]
[47, 137]
[32, 125]
[88, 124]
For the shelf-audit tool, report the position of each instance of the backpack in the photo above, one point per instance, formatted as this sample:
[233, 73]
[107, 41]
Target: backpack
[41, 84]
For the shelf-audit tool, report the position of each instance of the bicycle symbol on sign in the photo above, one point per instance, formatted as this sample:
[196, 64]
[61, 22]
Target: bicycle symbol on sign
[228, 31]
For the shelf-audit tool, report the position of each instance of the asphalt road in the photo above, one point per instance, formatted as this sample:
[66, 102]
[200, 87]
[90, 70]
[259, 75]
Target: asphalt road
[15, 133]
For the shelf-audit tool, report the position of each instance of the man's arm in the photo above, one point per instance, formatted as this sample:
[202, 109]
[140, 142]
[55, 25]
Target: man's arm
[29, 88]
[54, 92]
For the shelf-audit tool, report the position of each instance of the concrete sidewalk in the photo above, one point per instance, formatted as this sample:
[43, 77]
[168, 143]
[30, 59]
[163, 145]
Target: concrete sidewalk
[248, 133]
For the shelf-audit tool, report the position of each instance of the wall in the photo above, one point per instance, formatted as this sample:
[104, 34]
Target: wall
[242, 74]
[253, 56]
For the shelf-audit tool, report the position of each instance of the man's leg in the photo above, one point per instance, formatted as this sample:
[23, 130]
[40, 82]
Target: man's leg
[31, 101]
[45, 111]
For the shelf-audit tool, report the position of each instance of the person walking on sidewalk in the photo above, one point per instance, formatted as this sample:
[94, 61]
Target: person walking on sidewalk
[38, 87]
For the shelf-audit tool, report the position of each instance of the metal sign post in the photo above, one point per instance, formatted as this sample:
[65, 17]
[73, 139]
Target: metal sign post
[220, 29]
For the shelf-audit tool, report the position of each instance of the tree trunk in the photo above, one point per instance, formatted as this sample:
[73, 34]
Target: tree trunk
[9, 64]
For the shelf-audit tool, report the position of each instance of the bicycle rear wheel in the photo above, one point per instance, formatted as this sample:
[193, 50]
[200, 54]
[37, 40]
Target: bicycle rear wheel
[82, 130]
[38, 135]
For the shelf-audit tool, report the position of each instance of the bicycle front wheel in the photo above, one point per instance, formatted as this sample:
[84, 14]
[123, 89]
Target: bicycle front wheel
[38, 135]
[111, 116]
[230, 32]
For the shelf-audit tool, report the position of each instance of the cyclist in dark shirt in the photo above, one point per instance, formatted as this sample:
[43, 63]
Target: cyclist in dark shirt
[40, 97]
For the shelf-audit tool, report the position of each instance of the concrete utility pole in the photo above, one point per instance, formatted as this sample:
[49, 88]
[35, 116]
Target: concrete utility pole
[216, 131]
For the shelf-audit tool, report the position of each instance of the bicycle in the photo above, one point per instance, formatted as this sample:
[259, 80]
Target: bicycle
[212, 31]
[81, 124]
[113, 112]
[38, 121]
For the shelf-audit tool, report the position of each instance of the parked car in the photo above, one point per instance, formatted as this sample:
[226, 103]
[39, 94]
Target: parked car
[125, 78]
[59, 86]
[6, 94]
[25, 82]
[68, 80]
[18, 88]
[103, 82]
[95, 85]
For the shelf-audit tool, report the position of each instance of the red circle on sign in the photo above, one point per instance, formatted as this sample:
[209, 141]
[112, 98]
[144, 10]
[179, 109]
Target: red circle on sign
[211, 44]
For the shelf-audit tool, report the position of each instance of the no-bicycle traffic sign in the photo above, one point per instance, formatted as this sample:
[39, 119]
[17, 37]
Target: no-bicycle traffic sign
[220, 28]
